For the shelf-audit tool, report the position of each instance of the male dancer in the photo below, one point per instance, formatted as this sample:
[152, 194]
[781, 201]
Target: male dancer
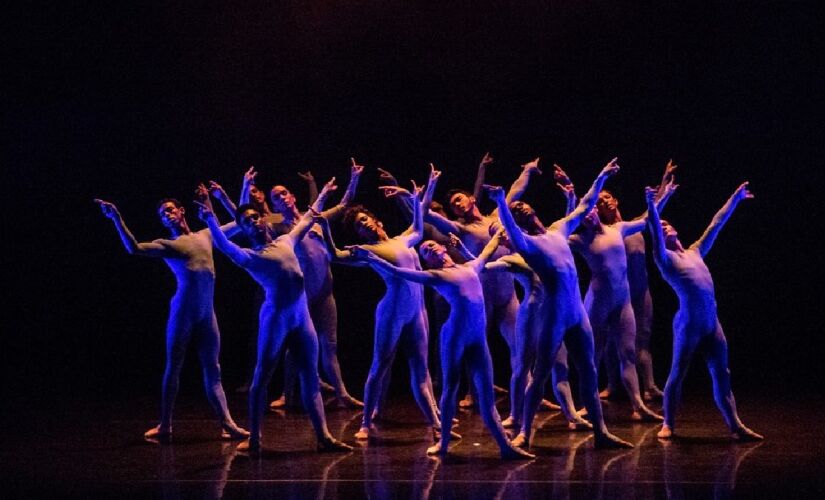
[284, 319]
[192, 315]
[696, 325]
[565, 319]
[400, 317]
[315, 259]
[462, 336]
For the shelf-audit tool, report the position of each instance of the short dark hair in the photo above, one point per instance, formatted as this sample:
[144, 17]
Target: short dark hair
[353, 211]
[173, 201]
[243, 208]
[454, 192]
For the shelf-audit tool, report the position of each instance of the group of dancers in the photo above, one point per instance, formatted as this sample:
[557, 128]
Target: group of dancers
[472, 261]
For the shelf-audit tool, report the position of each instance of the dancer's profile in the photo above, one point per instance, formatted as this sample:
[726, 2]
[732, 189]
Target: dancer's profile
[284, 319]
[565, 318]
[696, 326]
[192, 314]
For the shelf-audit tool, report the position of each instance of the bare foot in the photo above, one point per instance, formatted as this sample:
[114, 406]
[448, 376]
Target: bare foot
[665, 433]
[278, 403]
[436, 449]
[521, 441]
[513, 452]
[347, 401]
[608, 441]
[156, 434]
[644, 414]
[249, 447]
[605, 394]
[363, 433]
[467, 402]
[579, 424]
[231, 432]
[510, 423]
[546, 405]
[437, 434]
[744, 434]
[332, 445]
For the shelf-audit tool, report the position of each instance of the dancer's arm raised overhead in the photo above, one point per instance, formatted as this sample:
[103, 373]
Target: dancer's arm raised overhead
[487, 252]
[455, 242]
[519, 186]
[300, 229]
[482, 173]
[248, 182]
[236, 254]
[132, 245]
[230, 229]
[571, 221]
[338, 210]
[660, 254]
[705, 242]
[566, 186]
[517, 237]
[382, 266]
[663, 194]
[312, 186]
[219, 193]
[413, 234]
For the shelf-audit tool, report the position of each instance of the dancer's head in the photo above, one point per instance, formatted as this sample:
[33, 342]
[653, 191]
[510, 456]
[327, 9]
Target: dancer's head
[461, 202]
[365, 224]
[171, 213]
[257, 198]
[251, 222]
[526, 217]
[669, 233]
[283, 201]
[608, 206]
[435, 255]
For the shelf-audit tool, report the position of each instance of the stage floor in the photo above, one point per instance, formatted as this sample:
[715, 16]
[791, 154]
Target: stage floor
[93, 450]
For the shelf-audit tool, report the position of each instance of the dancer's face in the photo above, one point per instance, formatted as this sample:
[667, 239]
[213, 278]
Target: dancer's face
[607, 205]
[282, 199]
[434, 254]
[252, 223]
[522, 213]
[171, 215]
[257, 195]
[461, 204]
[367, 226]
[669, 232]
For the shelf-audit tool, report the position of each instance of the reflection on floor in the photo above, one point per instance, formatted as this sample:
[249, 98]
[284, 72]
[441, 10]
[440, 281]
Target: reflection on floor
[91, 452]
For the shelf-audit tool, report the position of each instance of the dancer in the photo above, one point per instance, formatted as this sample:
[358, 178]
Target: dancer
[462, 336]
[400, 318]
[315, 259]
[501, 303]
[284, 318]
[192, 314]
[565, 319]
[607, 300]
[696, 325]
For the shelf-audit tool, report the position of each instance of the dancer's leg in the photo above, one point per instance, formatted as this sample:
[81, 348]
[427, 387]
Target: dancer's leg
[684, 344]
[324, 314]
[623, 332]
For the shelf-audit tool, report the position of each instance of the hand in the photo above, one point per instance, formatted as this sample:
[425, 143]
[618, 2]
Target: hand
[391, 191]
[306, 176]
[611, 168]
[329, 186]
[435, 174]
[417, 190]
[201, 192]
[455, 241]
[205, 211]
[249, 176]
[532, 166]
[355, 169]
[650, 194]
[485, 160]
[494, 192]
[108, 209]
[217, 190]
[669, 168]
[560, 176]
[386, 177]
[568, 190]
[742, 192]
[670, 187]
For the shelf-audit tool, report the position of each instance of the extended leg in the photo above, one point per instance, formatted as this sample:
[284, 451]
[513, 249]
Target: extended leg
[324, 315]
[643, 310]
[684, 344]
[451, 376]
[387, 332]
[561, 388]
[414, 342]
[624, 335]
[270, 344]
[178, 331]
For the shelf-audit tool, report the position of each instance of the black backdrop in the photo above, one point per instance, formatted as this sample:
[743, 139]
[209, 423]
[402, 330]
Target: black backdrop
[134, 103]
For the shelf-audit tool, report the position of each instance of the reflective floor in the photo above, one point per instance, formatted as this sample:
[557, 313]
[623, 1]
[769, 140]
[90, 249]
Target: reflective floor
[96, 450]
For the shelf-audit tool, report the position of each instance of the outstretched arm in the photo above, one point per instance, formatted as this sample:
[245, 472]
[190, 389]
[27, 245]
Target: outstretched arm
[455, 242]
[248, 182]
[566, 186]
[312, 186]
[705, 242]
[381, 265]
[131, 244]
[571, 221]
[638, 224]
[300, 229]
[413, 234]
[338, 210]
[219, 193]
[335, 252]
[519, 186]
[514, 232]
[202, 198]
[482, 172]
[655, 225]
[235, 253]
[488, 251]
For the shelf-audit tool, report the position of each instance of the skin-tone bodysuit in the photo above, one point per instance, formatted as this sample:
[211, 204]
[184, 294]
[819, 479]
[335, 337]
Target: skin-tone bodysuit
[696, 326]
[565, 318]
[191, 314]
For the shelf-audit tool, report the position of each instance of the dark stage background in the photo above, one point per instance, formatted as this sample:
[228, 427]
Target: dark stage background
[132, 103]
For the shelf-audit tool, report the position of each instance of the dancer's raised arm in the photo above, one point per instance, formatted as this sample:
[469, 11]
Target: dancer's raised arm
[300, 229]
[381, 265]
[235, 253]
[519, 186]
[705, 242]
[570, 222]
[312, 186]
[663, 194]
[517, 238]
[566, 186]
[487, 252]
[146, 249]
[219, 193]
[461, 248]
[482, 172]
[655, 224]
[248, 182]
[413, 234]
